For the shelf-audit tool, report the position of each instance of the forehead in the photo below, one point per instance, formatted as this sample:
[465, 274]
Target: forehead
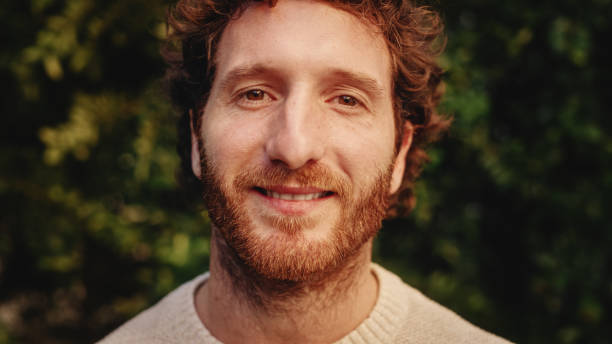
[306, 36]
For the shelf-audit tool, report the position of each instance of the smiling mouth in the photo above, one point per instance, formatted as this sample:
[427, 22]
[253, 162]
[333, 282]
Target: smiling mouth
[294, 196]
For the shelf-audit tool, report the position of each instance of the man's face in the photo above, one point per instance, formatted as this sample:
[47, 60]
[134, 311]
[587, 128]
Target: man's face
[298, 138]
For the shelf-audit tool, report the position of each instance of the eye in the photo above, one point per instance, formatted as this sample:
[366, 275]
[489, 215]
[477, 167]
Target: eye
[254, 95]
[254, 98]
[347, 100]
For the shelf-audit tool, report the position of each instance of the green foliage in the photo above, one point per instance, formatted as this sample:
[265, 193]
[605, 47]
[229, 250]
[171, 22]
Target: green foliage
[95, 228]
[510, 228]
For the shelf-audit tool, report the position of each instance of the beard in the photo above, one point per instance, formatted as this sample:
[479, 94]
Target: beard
[289, 254]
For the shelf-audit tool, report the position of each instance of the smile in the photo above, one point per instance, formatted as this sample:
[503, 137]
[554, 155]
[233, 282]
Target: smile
[293, 194]
[295, 197]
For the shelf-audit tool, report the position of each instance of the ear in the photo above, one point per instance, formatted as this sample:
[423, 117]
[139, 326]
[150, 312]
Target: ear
[195, 149]
[399, 165]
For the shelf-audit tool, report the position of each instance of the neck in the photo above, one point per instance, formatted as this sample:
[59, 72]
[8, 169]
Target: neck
[237, 305]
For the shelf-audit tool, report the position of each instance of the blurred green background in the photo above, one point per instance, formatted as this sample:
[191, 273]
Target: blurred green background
[511, 228]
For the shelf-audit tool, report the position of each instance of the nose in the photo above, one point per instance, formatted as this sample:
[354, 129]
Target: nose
[296, 137]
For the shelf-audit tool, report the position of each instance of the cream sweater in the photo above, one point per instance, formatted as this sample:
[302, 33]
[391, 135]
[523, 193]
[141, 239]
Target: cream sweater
[401, 315]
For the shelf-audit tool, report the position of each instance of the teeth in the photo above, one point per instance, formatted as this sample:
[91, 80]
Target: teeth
[295, 197]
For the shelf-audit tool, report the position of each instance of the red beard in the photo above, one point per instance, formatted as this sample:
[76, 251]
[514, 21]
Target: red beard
[287, 254]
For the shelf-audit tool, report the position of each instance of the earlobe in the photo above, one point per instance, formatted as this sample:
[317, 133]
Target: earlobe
[195, 149]
[399, 165]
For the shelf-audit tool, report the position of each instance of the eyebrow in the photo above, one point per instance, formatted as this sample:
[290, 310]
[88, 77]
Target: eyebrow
[361, 81]
[336, 76]
[245, 72]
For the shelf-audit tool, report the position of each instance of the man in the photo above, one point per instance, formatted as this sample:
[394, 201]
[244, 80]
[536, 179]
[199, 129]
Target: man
[302, 119]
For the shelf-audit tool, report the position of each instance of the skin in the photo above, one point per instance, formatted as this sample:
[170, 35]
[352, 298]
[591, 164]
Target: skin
[295, 87]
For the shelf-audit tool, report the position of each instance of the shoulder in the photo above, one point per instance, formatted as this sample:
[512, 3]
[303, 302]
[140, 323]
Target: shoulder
[172, 320]
[422, 320]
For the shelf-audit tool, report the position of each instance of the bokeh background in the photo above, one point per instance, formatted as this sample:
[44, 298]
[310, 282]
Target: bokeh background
[511, 228]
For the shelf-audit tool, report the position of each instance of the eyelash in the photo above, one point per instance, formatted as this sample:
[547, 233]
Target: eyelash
[242, 97]
[343, 97]
[255, 92]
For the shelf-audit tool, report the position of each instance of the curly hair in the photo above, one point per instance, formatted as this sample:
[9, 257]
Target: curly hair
[414, 37]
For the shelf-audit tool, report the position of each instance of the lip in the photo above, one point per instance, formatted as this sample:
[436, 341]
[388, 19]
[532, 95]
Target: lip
[294, 203]
[293, 189]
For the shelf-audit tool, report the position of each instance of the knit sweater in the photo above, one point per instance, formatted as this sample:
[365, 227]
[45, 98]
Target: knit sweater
[401, 315]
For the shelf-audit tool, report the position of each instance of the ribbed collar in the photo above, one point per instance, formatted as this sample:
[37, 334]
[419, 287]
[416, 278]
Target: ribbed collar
[379, 327]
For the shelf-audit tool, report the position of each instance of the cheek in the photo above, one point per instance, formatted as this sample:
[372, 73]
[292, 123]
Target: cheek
[231, 144]
[363, 154]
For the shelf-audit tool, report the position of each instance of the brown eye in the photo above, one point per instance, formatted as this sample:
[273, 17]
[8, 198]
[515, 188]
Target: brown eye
[255, 95]
[348, 100]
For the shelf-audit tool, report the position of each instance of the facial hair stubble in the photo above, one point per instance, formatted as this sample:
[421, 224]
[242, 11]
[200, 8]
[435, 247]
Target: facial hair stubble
[287, 255]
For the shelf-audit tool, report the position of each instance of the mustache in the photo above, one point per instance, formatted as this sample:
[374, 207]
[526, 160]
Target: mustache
[312, 175]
